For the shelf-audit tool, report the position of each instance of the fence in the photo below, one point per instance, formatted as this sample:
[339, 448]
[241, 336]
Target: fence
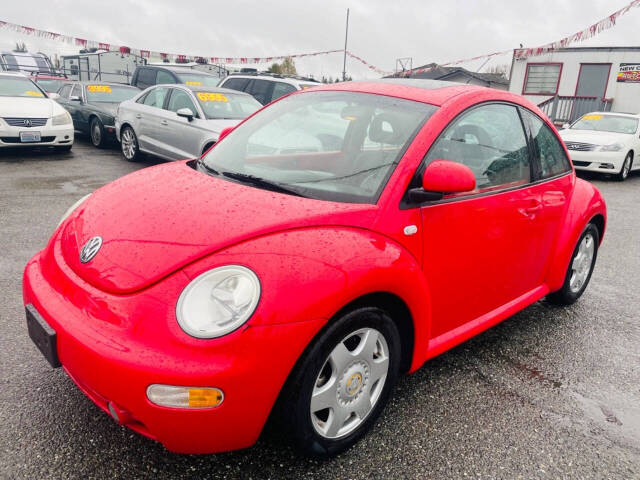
[561, 109]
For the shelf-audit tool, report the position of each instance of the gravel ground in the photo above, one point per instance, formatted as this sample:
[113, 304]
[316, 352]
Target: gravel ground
[549, 393]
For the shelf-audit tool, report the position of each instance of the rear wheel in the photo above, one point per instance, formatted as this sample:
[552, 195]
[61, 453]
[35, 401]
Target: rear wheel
[626, 167]
[342, 383]
[129, 144]
[580, 269]
[97, 132]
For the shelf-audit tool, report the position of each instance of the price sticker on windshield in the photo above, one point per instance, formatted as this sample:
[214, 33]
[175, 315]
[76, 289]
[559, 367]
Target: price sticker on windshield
[99, 88]
[31, 93]
[193, 82]
[592, 117]
[212, 97]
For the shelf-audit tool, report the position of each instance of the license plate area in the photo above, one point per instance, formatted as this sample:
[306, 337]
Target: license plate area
[42, 335]
[29, 137]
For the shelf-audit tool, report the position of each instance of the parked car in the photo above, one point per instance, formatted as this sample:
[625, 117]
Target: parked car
[175, 122]
[30, 117]
[604, 142]
[93, 105]
[25, 62]
[50, 83]
[193, 299]
[149, 75]
[267, 87]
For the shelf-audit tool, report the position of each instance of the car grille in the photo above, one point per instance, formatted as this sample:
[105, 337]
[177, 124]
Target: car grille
[25, 122]
[17, 140]
[581, 147]
[578, 163]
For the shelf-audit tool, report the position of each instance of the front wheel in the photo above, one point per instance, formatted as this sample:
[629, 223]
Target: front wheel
[342, 383]
[626, 168]
[129, 144]
[97, 133]
[580, 268]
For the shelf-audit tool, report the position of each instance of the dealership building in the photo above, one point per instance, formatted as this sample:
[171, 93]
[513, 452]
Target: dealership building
[569, 82]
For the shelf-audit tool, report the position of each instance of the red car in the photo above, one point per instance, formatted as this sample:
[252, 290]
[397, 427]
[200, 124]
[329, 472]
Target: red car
[335, 239]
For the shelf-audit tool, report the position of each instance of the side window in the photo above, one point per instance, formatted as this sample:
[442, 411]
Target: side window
[491, 142]
[236, 84]
[164, 77]
[280, 89]
[181, 99]
[65, 91]
[146, 78]
[261, 90]
[155, 98]
[549, 153]
[77, 91]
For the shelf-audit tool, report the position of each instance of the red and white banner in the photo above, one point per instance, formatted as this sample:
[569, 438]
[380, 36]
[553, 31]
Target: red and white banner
[367, 64]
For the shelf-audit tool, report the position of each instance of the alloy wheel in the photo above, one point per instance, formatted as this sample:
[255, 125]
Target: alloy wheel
[129, 144]
[581, 263]
[96, 134]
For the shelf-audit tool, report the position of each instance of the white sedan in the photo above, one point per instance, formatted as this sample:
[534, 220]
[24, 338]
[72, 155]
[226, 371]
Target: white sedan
[604, 142]
[29, 117]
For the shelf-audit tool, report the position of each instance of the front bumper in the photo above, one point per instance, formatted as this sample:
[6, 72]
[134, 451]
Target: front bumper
[114, 347]
[50, 135]
[603, 162]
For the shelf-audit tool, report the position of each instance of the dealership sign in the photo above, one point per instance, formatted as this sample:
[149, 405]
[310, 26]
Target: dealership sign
[629, 72]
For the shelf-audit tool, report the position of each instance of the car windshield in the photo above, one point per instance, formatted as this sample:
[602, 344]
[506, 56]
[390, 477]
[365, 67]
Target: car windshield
[19, 87]
[338, 146]
[607, 123]
[110, 93]
[50, 85]
[198, 80]
[218, 105]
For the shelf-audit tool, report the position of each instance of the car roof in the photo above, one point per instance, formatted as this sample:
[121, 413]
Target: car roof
[13, 74]
[175, 69]
[275, 78]
[202, 88]
[617, 114]
[111, 84]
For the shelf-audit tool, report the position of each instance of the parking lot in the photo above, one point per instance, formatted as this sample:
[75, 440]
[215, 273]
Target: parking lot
[549, 393]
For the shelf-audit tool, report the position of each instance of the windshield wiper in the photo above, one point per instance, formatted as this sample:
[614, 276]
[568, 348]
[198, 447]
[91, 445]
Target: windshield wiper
[207, 167]
[261, 183]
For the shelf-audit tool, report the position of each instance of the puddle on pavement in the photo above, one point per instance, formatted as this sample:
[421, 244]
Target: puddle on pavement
[68, 184]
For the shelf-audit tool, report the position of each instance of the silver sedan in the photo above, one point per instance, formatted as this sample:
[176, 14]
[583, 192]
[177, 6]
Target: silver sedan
[176, 122]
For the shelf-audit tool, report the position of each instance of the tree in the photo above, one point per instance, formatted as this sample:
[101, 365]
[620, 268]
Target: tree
[287, 67]
[21, 47]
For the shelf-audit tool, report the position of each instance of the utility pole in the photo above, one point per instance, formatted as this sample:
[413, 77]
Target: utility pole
[344, 63]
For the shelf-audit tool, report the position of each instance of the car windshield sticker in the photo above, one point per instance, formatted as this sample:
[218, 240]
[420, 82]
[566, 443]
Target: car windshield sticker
[212, 97]
[99, 88]
[592, 117]
[193, 82]
[33, 94]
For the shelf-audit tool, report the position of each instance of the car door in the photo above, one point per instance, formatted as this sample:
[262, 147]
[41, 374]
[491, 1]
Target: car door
[149, 115]
[183, 138]
[75, 105]
[64, 92]
[479, 247]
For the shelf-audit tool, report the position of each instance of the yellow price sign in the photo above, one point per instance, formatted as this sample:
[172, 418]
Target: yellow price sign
[212, 97]
[193, 82]
[31, 93]
[592, 117]
[99, 88]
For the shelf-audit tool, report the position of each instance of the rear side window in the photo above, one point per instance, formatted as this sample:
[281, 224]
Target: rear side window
[261, 90]
[155, 98]
[165, 77]
[280, 89]
[490, 140]
[65, 91]
[146, 77]
[236, 84]
[550, 157]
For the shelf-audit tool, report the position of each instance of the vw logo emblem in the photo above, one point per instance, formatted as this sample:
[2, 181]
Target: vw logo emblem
[90, 249]
[26, 122]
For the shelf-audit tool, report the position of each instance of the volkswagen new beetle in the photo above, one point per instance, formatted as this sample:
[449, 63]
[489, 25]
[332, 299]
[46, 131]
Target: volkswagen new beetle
[335, 239]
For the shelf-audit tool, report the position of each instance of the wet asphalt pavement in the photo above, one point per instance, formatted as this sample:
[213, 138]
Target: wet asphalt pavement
[549, 393]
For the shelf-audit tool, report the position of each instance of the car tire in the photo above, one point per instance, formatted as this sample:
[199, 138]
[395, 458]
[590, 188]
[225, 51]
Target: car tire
[580, 268]
[63, 149]
[346, 362]
[129, 145]
[96, 133]
[626, 168]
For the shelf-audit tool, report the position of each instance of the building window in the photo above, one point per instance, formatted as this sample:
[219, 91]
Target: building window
[542, 79]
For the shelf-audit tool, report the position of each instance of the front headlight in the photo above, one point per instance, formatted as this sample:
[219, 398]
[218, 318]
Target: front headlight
[614, 147]
[62, 119]
[72, 208]
[218, 301]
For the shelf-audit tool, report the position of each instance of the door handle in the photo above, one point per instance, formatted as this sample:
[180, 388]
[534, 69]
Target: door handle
[164, 122]
[532, 209]
[138, 115]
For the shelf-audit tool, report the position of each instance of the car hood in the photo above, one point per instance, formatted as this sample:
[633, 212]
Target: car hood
[28, 107]
[105, 107]
[156, 220]
[593, 137]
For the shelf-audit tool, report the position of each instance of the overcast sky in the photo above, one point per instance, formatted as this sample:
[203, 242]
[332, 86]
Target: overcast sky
[379, 30]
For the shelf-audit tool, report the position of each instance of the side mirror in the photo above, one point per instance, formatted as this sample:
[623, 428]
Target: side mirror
[74, 98]
[185, 113]
[441, 177]
[224, 133]
[54, 96]
[566, 126]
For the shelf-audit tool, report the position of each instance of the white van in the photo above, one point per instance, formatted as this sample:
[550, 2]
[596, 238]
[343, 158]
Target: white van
[25, 62]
